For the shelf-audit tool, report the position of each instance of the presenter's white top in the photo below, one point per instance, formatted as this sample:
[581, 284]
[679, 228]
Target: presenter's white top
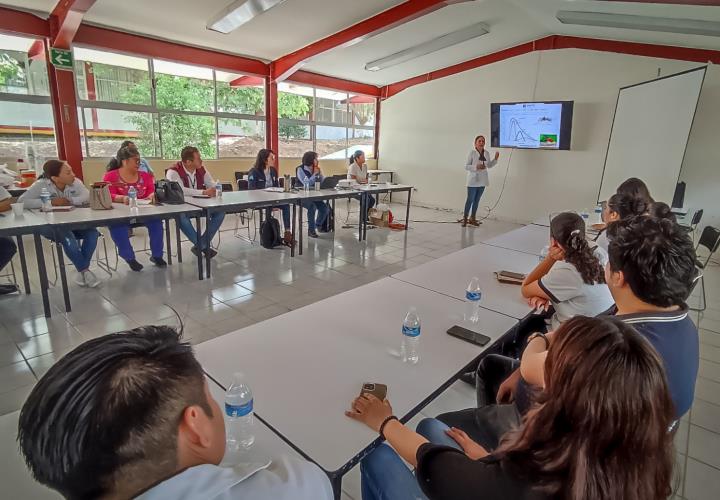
[477, 178]
[360, 172]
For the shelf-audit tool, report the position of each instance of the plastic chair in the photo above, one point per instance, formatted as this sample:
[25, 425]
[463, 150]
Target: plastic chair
[710, 241]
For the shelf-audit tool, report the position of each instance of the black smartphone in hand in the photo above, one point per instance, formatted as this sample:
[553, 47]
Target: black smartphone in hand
[468, 335]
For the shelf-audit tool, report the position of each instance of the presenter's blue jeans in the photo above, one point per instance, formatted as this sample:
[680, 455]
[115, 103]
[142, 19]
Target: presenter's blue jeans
[473, 200]
[313, 207]
[121, 236]
[79, 245]
[186, 226]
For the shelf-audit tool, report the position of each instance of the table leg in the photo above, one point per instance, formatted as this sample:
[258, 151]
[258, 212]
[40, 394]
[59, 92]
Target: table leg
[333, 219]
[179, 242]
[199, 256]
[207, 243]
[300, 226]
[63, 275]
[292, 226]
[391, 181]
[407, 211]
[23, 264]
[167, 241]
[360, 218]
[42, 273]
[336, 482]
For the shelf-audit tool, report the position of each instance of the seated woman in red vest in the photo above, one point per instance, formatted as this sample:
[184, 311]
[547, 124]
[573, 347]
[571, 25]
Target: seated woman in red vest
[123, 175]
[195, 180]
[263, 175]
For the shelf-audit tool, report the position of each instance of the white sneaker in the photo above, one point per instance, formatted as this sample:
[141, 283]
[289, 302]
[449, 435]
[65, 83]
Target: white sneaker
[80, 280]
[91, 280]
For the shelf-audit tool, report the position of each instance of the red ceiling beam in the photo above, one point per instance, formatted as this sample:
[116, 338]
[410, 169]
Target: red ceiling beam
[151, 47]
[23, 23]
[330, 82]
[412, 9]
[554, 42]
[65, 20]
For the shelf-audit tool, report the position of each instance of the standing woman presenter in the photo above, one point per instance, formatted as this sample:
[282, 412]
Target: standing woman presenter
[477, 179]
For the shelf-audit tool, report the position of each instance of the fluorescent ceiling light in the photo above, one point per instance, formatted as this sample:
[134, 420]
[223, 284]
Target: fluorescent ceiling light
[644, 23]
[429, 47]
[238, 13]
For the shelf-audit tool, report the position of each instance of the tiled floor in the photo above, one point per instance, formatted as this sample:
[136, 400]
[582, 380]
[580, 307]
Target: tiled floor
[251, 284]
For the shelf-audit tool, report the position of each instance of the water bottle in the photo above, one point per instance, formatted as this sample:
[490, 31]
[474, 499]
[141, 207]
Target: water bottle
[411, 337]
[473, 294]
[239, 432]
[218, 189]
[598, 214]
[544, 252]
[306, 185]
[132, 197]
[45, 199]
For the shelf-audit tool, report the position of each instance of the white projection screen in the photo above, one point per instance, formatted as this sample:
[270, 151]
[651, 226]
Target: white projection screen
[650, 133]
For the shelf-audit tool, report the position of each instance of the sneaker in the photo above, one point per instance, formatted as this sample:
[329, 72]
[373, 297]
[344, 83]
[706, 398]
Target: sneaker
[195, 251]
[211, 253]
[468, 378]
[91, 279]
[313, 234]
[158, 261]
[6, 289]
[80, 279]
[135, 265]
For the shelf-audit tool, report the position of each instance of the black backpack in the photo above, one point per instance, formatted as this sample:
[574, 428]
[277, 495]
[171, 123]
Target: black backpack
[328, 224]
[169, 192]
[270, 236]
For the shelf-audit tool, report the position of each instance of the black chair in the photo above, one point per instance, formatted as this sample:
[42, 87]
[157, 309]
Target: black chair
[710, 241]
[242, 185]
[696, 218]
[240, 174]
[679, 196]
[226, 186]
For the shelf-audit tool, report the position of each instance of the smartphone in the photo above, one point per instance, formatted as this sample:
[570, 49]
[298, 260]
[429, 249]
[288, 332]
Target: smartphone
[377, 390]
[509, 274]
[468, 335]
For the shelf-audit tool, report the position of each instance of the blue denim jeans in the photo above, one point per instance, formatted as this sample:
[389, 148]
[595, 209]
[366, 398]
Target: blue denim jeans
[473, 200]
[436, 432]
[8, 248]
[79, 245]
[384, 476]
[121, 236]
[313, 207]
[186, 226]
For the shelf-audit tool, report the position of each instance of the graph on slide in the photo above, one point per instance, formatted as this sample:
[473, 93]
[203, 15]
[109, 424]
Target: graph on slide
[530, 125]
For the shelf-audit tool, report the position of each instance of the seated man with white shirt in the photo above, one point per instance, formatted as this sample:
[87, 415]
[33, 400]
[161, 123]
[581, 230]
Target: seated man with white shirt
[195, 180]
[7, 245]
[129, 415]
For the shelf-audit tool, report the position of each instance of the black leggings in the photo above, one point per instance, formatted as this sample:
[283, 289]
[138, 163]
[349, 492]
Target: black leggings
[7, 251]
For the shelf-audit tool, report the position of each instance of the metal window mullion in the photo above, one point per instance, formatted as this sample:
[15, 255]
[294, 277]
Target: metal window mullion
[217, 120]
[30, 99]
[117, 106]
[153, 86]
[85, 134]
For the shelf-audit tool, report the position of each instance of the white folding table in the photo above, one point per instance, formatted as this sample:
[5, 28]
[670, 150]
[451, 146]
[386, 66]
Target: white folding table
[451, 274]
[529, 239]
[305, 367]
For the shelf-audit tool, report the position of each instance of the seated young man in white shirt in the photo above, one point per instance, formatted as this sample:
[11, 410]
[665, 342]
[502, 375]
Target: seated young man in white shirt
[195, 180]
[129, 415]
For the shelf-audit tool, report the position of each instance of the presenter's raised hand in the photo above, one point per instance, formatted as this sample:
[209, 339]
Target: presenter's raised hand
[497, 155]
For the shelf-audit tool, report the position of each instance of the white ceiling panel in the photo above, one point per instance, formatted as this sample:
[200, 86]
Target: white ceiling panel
[279, 31]
[45, 6]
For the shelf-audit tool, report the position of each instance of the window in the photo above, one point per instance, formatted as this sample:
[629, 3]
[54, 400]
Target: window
[334, 124]
[164, 106]
[27, 127]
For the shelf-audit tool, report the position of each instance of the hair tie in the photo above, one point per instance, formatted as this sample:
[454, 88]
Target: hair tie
[576, 231]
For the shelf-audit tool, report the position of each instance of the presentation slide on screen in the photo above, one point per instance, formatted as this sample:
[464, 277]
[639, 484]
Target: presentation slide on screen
[530, 125]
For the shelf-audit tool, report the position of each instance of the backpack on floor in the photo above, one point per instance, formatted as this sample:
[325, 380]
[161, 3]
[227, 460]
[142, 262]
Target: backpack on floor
[328, 223]
[270, 236]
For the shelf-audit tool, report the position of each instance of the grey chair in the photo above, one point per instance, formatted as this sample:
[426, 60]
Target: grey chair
[709, 241]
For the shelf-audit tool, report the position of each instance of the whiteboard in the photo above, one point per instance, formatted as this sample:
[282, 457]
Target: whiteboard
[650, 133]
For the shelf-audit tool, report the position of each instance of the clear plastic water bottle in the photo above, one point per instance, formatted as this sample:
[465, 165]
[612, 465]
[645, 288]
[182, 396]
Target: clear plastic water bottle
[239, 431]
[409, 350]
[218, 189]
[132, 197]
[306, 185]
[473, 294]
[598, 214]
[544, 252]
[45, 199]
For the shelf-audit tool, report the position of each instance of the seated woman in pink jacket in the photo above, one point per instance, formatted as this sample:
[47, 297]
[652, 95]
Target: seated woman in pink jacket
[125, 174]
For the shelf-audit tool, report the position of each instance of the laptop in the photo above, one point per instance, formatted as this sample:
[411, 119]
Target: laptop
[329, 182]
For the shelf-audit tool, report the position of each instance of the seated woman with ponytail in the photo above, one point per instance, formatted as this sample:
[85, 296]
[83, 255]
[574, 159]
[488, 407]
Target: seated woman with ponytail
[622, 206]
[572, 276]
[123, 175]
[66, 190]
[358, 172]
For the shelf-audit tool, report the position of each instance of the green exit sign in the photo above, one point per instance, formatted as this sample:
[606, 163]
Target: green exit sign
[61, 59]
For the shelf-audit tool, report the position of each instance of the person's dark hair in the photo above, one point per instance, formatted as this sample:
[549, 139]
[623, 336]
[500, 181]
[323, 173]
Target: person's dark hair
[262, 159]
[636, 188]
[124, 153]
[107, 413]
[126, 143]
[656, 257]
[568, 229]
[309, 158]
[357, 154]
[188, 153]
[627, 205]
[662, 210]
[478, 137]
[600, 427]
[51, 168]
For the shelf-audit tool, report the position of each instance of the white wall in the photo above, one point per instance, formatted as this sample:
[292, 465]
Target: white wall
[427, 131]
